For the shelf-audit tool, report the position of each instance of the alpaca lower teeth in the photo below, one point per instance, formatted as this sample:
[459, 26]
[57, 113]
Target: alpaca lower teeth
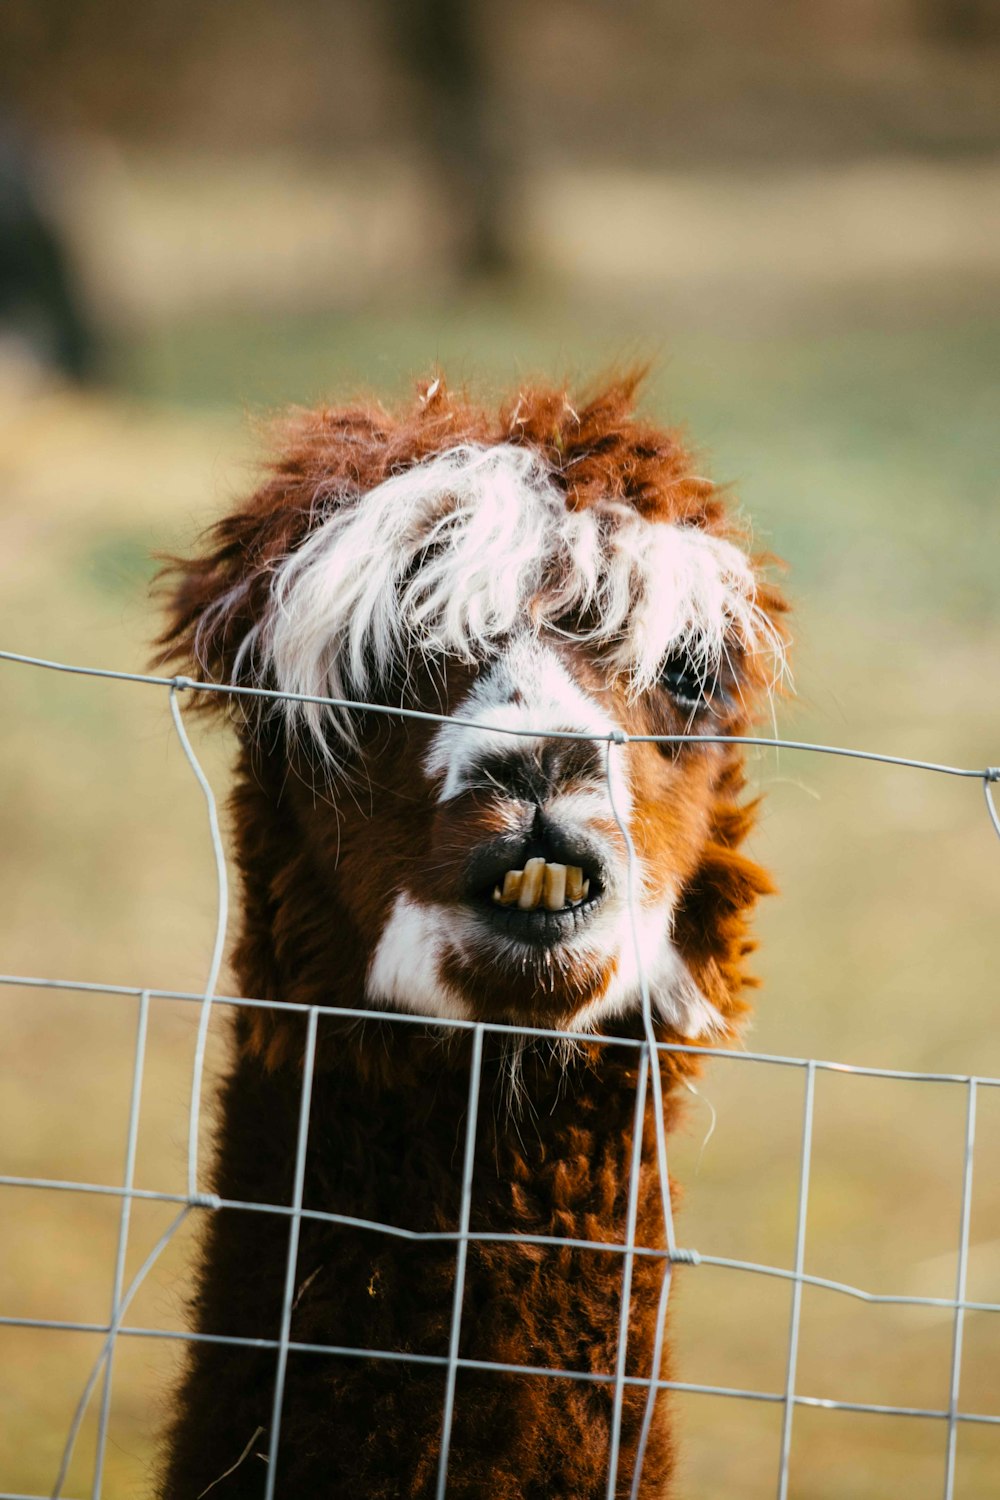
[553, 886]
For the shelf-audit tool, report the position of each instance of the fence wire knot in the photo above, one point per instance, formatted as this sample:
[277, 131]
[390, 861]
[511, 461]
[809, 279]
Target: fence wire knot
[618, 737]
[205, 1200]
[679, 1257]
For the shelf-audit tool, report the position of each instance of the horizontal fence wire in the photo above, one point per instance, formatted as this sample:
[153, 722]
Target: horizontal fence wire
[987, 774]
[650, 1051]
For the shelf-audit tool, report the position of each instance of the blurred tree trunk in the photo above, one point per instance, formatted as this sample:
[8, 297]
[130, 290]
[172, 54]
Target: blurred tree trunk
[40, 304]
[443, 47]
[962, 22]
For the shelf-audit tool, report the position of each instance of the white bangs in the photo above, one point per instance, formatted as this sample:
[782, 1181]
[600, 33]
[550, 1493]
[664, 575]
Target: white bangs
[455, 553]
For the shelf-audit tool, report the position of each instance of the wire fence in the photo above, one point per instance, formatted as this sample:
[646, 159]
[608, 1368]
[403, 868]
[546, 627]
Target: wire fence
[650, 1051]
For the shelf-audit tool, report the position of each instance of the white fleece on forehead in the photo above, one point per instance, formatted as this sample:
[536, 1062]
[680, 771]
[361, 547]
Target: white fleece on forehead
[454, 553]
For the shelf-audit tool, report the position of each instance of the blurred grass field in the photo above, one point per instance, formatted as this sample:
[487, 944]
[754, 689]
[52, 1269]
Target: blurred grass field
[858, 425]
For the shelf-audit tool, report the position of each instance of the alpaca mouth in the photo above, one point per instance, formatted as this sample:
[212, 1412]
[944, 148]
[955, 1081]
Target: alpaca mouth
[539, 928]
[534, 896]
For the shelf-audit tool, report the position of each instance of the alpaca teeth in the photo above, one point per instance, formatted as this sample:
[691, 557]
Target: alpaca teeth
[553, 886]
[531, 884]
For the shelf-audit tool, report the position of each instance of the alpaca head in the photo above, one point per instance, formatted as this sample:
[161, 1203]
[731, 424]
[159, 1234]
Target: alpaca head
[550, 568]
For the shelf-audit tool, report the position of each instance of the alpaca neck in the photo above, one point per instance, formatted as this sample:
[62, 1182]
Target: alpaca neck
[388, 1117]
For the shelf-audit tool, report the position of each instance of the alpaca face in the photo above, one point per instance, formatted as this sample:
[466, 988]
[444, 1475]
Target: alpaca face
[562, 950]
[468, 585]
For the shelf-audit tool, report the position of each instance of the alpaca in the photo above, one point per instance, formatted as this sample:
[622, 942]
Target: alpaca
[547, 567]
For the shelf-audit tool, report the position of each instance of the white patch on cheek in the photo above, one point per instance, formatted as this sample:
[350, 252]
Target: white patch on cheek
[673, 992]
[405, 969]
[643, 947]
[647, 953]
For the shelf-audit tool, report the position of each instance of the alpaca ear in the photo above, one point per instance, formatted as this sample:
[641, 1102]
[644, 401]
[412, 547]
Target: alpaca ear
[215, 600]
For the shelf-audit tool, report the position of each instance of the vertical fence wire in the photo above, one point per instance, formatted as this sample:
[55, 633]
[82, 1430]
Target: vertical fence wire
[218, 945]
[195, 1198]
[106, 1347]
[961, 1282]
[288, 1300]
[125, 1212]
[619, 738]
[992, 775]
[461, 1255]
[800, 1256]
[655, 1367]
[628, 1259]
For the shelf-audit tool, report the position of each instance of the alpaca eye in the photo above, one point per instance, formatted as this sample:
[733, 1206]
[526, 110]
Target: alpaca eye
[687, 686]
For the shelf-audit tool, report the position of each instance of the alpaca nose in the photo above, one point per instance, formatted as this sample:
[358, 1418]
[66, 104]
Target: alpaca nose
[550, 839]
[533, 777]
[538, 772]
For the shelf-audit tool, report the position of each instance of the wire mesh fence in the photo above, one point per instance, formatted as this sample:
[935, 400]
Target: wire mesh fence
[195, 1200]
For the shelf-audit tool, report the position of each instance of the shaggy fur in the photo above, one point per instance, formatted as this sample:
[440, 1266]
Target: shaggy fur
[429, 557]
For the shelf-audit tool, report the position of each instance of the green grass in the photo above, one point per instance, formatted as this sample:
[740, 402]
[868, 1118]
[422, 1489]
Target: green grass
[856, 444]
